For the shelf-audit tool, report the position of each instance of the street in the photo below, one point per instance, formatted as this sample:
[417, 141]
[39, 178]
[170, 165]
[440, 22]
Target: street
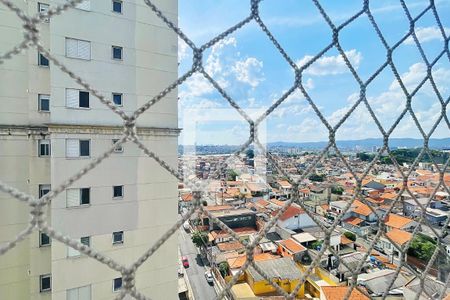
[196, 271]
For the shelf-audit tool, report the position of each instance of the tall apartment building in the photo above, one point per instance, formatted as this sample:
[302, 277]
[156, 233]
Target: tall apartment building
[50, 128]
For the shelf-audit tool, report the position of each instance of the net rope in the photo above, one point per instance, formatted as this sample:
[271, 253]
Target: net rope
[37, 206]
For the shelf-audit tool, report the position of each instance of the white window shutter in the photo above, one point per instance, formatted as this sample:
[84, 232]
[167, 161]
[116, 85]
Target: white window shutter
[85, 5]
[84, 50]
[71, 48]
[72, 252]
[84, 293]
[72, 98]
[72, 294]
[73, 197]
[72, 148]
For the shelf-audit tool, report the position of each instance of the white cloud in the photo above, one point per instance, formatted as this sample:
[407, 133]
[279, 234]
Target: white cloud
[331, 65]
[427, 34]
[249, 71]
[182, 49]
[213, 64]
[388, 106]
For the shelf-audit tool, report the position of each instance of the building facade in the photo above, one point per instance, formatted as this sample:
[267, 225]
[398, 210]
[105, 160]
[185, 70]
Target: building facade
[50, 128]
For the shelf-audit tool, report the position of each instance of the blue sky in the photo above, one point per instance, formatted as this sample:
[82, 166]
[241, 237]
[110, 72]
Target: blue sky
[248, 66]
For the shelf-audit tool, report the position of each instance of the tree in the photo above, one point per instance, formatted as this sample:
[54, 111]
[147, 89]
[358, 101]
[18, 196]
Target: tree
[205, 203]
[224, 268]
[200, 238]
[350, 235]
[316, 177]
[422, 247]
[250, 154]
[231, 175]
[338, 190]
[315, 245]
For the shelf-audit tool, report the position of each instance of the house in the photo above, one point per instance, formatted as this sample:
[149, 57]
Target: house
[294, 218]
[233, 218]
[282, 271]
[377, 281]
[291, 248]
[398, 238]
[395, 221]
[374, 185]
[186, 201]
[339, 292]
[356, 225]
[431, 290]
[285, 188]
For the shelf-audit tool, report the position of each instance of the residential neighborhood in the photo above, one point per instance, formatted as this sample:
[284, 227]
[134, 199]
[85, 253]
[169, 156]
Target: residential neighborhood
[328, 233]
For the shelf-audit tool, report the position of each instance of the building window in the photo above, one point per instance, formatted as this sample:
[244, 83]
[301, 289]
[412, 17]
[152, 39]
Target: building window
[78, 148]
[117, 99]
[117, 237]
[43, 8]
[42, 60]
[78, 197]
[117, 284]
[44, 189]
[78, 49]
[44, 240]
[117, 52]
[117, 6]
[44, 148]
[118, 191]
[79, 293]
[77, 98]
[45, 283]
[44, 103]
[118, 148]
[71, 252]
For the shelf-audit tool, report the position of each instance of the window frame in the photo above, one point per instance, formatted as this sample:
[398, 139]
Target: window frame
[78, 99]
[89, 147]
[41, 277]
[49, 150]
[78, 156]
[122, 189]
[121, 53]
[77, 289]
[41, 189]
[121, 242]
[77, 253]
[114, 284]
[43, 97]
[117, 150]
[121, 99]
[40, 5]
[66, 54]
[42, 245]
[80, 197]
[121, 6]
[40, 57]
[88, 189]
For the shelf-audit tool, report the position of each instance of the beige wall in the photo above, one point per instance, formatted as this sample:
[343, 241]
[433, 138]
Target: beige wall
[150, 202]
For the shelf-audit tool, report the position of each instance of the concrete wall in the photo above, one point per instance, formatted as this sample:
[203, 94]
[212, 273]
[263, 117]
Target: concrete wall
[149, 206]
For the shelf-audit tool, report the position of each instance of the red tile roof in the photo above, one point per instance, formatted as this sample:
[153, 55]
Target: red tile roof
[339, 292]
[292, 246]
[292, 210]
[353, 221]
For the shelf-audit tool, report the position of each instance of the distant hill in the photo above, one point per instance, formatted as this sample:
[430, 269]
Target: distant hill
[368, 144]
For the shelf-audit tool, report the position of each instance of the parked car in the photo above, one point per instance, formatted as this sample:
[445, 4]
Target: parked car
[209, 277]
[185, 261]
[180, 272]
